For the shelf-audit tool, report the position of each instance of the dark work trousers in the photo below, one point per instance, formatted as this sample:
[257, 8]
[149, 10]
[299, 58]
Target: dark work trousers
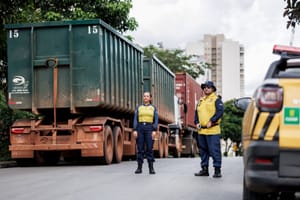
[144, 140]
[209, 145]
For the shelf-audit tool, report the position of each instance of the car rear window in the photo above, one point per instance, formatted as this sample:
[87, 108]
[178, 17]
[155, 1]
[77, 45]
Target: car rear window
[290, 73]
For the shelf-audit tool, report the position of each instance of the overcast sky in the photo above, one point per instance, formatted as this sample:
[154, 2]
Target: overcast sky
[256, 24]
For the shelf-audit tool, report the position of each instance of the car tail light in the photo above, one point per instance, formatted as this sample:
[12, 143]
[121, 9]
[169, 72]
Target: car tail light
[17, 130]
[270, 99]
[263, 161]
[96, 128]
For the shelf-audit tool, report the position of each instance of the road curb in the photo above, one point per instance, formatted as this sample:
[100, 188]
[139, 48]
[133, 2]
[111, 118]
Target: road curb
[6, 164]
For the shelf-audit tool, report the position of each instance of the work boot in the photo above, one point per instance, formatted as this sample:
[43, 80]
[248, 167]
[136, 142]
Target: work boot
[203, 172]
[139, 169]
[151, 169]
[217, 173]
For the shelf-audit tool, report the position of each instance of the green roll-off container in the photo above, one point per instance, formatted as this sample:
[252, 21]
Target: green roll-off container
[160, 81]
[76, 65]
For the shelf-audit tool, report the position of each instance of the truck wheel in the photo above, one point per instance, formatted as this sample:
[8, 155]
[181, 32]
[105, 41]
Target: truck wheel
[118, 144]
[178, 143]
[194, 148]
[24, 162]
[49, 158]
[176, 153]
[108, 147]
[160, 145]
[166, 144]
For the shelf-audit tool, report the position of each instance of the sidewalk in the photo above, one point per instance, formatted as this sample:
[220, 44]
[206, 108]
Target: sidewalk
[6, 164]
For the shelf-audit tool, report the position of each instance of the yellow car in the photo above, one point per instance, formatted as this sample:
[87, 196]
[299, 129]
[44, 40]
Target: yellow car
[271, 131]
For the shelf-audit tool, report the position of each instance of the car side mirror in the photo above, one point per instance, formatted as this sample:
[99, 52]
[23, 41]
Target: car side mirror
[242, 103]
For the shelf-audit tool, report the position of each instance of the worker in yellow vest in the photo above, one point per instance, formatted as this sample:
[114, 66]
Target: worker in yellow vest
[208, 115]
[145, 126]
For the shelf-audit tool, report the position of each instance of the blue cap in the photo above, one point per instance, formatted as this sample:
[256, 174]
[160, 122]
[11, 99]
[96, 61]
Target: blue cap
[208, 84]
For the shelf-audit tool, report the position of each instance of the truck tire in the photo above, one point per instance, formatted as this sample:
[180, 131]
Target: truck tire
[159, 152]
[118, 144]
[161, 145]
[176, 153]
[24, 162]
[178, 144]
[166, 144]
[49, 158]
[52, 157]
[195, 149]
[108, 146]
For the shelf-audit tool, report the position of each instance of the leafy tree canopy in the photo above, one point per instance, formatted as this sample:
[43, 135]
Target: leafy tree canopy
[7, 117]
[176, 60]
[292, 12]
[113, 12]
[231, 125]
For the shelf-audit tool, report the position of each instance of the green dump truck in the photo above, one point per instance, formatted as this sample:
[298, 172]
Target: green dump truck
[83, 81]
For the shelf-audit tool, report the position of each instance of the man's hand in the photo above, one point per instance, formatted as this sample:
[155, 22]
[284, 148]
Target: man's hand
[209, 124]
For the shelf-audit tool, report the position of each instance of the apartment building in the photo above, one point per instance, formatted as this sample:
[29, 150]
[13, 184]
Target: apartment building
[226, 60]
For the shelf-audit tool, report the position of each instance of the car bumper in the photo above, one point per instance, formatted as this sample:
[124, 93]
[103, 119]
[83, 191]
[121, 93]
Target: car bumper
[271, 169]
[269, 181]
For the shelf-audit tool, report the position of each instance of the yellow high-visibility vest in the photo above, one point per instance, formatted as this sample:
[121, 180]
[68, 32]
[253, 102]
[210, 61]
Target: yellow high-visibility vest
[206, 109]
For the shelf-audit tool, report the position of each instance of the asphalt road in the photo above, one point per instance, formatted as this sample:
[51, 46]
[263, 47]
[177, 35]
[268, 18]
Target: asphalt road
[174, 180]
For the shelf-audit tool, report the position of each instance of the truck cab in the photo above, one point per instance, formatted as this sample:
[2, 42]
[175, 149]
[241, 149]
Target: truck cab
[271, 130]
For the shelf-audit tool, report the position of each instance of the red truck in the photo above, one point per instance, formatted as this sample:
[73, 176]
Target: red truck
[183, 132]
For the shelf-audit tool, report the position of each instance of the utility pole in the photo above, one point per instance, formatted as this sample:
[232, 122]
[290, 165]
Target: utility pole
[292, 36]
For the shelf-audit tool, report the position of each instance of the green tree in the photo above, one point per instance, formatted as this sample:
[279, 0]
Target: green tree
[292, 12]
[176, 60]
[231, 125]
[113, 12]
[7, 117]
